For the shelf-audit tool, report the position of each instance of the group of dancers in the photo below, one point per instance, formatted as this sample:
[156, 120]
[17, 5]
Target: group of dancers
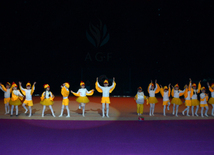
[47, 97]
[190, 93]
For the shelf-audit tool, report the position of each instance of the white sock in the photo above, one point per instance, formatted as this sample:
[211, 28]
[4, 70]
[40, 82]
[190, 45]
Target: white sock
[177, 106]
[168, 105]
[192, 110]
[206, 110]
[164, 110]
[213, 109]
[30, 109]
[173, 110]
[24, 107]
[150, 112]
[202, 109]
[68, 111]
[187, 110]
[197, 107]
[43, 110]
[103, 109]
[153, 109]
[107, 109]
[52, 110]
[11, 112]
[17, 110]
[62, 110]
[5, 106]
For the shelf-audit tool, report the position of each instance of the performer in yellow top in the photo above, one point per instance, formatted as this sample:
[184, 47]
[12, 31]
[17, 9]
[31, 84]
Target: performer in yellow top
[105, 94]
[165, 92]
[188, 95]
[195, 101]
[47, 99]
[203, 101]
[152, 90]
[82, 98]
[7, 92]
[65, 101]
[176, 93]
[28, 92]
[15, 99]
[139, 98]
[211, 100]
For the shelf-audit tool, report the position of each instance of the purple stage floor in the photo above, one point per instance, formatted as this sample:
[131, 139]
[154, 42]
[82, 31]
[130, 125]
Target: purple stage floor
[53, 137]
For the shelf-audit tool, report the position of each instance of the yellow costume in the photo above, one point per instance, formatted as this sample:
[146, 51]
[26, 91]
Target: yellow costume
[65, 94]
[176, 94]
[152, 98]
[188, 95]
[139, 98]
[164, 95]
[28, 93]
[211, 89]
[16, 96]
[47, 97]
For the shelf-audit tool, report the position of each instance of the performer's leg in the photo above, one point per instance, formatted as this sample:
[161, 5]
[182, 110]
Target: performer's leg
[168, 105]
[80, 106]
[107, 110]
[5, 106]
[11, 112]
[187, 110]
[177, 106]
[103, 109]
[206, 111]
[173, 110]
[184, 111]
[30, 109]
[196, 111]
[138, 109]
[68, 111]
[52, 111]
[164, 110]
[17, 111]
[141, 109]
[62, 111]
[192, 110]
[25, 108]
[8, 108]
[212, 110]
[43, 110]
[202, 109]
[83, 109]
[150, 110]
[153, 109]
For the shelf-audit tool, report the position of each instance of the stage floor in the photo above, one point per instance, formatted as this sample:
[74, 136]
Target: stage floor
[121, 108]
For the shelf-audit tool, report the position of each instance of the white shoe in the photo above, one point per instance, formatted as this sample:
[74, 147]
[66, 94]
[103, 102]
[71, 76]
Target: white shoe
[206, 115]
[193, 115]
[173, 113]
[164, 114]
[212, 114]
[176, 115]
[196, 114]
[107, 116]
[153, 115]
[83, 115]
[150, 114]
[60, 115]
[67, 116]
[53, 115]
[167, 108]
[138, 114]
[42, 115]
[29, 116]
[188, 115]
[183, 113]
[202, 116]
[26, 111]
[103, 116]
[79, 107]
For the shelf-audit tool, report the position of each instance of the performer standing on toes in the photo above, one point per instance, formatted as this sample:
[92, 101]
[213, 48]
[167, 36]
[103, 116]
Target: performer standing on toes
[165, 92]
[47, 99]
[15, 99]
[188, 95]
[195, 101]
[7, 92]
[65, 101]
[139, 98]
[105, 94]
[176, 93]
[211, 100]
[203, 102]
[28, 94]
[152, 99]
[82, 98]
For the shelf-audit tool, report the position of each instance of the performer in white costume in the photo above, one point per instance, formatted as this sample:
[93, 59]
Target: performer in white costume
[7, 90]
[203, 102]
[165, 92]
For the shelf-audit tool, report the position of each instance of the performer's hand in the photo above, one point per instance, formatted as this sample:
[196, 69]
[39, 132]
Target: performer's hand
[200, 81]
[161, 86]
[208, 83]
[72, 91]
[92, 89]
[20, 83]
[97, 78]
[155, 81]
[0, 83]
[151, 81]
[190, 79]
[34, 83]
[113, 78]
[169, 84]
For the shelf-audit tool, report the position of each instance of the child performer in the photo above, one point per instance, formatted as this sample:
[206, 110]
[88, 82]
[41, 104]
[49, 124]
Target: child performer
[176, 93]
[105, 94]
[211, 100]
[195, 101]
[188, 95]
[139, 98]
[152, 99]
[7, 92]
[82, 98]
[165, 92]
[203, 102]
[65, 101]
[47, 99]
[15, 99]
[28, 92]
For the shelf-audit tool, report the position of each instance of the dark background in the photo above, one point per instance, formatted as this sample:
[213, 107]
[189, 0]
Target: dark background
[45, 41]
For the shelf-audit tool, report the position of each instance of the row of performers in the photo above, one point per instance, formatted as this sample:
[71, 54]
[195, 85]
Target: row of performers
[47, 97]
[190, 94]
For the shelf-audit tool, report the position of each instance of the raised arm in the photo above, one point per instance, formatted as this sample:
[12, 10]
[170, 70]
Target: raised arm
[3, 88]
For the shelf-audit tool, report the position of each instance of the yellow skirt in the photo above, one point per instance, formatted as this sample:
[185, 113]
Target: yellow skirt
[16, 102]
[176, 101]
[28, 103]
[6, 100]
[211, 100]
[195, 102]
[82, 99]
[47, 102]
[153, 100]
[65, 101]
[105, 100]
[203, 105]
[188, 103]
[165, 102]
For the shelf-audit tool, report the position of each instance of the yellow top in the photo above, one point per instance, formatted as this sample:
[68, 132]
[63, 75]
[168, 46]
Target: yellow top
[5, 89]
[100, 90]
[15, 97]
[157, 90]
[210, 89]
[64, 92]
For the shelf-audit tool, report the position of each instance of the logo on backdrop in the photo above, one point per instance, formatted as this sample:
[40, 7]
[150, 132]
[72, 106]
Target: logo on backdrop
[97, 34]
